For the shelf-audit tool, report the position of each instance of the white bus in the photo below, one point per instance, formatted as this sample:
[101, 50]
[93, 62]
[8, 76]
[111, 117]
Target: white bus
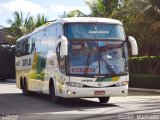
[79, 57]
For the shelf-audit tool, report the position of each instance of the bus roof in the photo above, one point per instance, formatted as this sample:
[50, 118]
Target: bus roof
[90, 19]
[76, 20]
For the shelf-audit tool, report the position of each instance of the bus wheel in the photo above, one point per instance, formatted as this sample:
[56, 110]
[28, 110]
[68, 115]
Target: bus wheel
[103, 99]
[54, 98]
[24, 88]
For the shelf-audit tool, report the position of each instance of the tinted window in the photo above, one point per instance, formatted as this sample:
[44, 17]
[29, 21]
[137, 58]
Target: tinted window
[38, 41]
[44, 43]
[22, 47]
[51, 37]
[32, 44]
[94, 31]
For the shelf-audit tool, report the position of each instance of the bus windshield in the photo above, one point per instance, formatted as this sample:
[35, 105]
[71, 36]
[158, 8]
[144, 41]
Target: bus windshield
[97, 57]
[94, 31]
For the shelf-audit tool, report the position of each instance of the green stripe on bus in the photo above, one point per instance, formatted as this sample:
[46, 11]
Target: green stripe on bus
[107, 79]
[103, 79]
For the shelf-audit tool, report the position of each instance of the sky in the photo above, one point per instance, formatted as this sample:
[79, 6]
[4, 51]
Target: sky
[50, 8]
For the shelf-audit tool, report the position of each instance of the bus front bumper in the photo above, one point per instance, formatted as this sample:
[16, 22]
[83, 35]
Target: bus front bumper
[77, 92]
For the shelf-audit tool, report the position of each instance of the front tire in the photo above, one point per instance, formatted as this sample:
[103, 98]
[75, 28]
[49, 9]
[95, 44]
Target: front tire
[54, 98]
[104, 99]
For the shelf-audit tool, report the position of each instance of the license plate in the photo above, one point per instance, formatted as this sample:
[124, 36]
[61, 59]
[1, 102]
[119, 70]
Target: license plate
[99, 92]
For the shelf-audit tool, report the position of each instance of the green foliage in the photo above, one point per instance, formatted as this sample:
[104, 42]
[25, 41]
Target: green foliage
[144, 81]
[21, 25]
[129, 11]
[143, 57]
[41, 20]
[141, 20]
[73, 13]
[37, 76]
[102, 8]
[145, 76]
[145, 65]
[99, 8]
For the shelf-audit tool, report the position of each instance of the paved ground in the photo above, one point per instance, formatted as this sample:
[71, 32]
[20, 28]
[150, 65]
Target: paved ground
[39, 107]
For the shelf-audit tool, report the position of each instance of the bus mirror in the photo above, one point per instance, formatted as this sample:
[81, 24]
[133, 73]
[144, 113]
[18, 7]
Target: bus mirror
[64, 47]
[133, 43]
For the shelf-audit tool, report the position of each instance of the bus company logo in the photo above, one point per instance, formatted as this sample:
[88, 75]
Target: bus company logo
[26, 62]
[99, 84]
[98, 32]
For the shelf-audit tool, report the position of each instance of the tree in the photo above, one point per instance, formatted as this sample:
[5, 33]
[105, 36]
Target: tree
[129, 11]
[21, 25]
[102, 8]
[151, 15]
[73, 13]
[40, 20]
[141, 19]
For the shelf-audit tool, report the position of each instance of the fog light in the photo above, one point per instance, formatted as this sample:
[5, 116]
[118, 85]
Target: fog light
[124, 91]
[69, 92]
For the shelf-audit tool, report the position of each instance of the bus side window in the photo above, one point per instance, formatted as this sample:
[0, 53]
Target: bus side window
[38, 41]
[44, 39]
[21, 48]
[33, 49]
[26, 49]
[32, 44]
[51, 38]
[58, 53]
[59, 32]
[18, 49]
[24, 46]
[61, 60]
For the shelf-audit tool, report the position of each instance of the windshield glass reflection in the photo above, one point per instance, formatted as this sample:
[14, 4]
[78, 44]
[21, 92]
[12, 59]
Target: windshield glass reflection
[96, 58]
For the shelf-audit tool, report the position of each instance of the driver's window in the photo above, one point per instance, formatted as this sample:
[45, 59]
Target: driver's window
[115, 53]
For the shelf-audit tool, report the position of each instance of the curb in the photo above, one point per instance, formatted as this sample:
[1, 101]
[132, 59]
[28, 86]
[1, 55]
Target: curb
[10, 80]
[144, 89]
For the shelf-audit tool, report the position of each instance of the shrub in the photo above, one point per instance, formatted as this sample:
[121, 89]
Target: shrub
[144, 81]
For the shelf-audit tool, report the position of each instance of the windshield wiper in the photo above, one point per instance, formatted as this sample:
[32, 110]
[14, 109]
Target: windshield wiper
[107, 66]
[87, 62]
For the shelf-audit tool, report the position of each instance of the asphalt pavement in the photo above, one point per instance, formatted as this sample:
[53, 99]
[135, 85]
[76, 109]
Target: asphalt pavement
[15, 106]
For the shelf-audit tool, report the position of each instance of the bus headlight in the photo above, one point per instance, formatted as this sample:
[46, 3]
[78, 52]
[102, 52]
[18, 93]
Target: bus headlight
[122, 84]
[74, 84]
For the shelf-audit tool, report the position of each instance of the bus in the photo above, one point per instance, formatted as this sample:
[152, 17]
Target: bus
[81, 57]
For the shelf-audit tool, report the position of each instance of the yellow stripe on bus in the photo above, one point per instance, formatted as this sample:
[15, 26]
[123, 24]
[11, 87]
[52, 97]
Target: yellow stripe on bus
[115, 78]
